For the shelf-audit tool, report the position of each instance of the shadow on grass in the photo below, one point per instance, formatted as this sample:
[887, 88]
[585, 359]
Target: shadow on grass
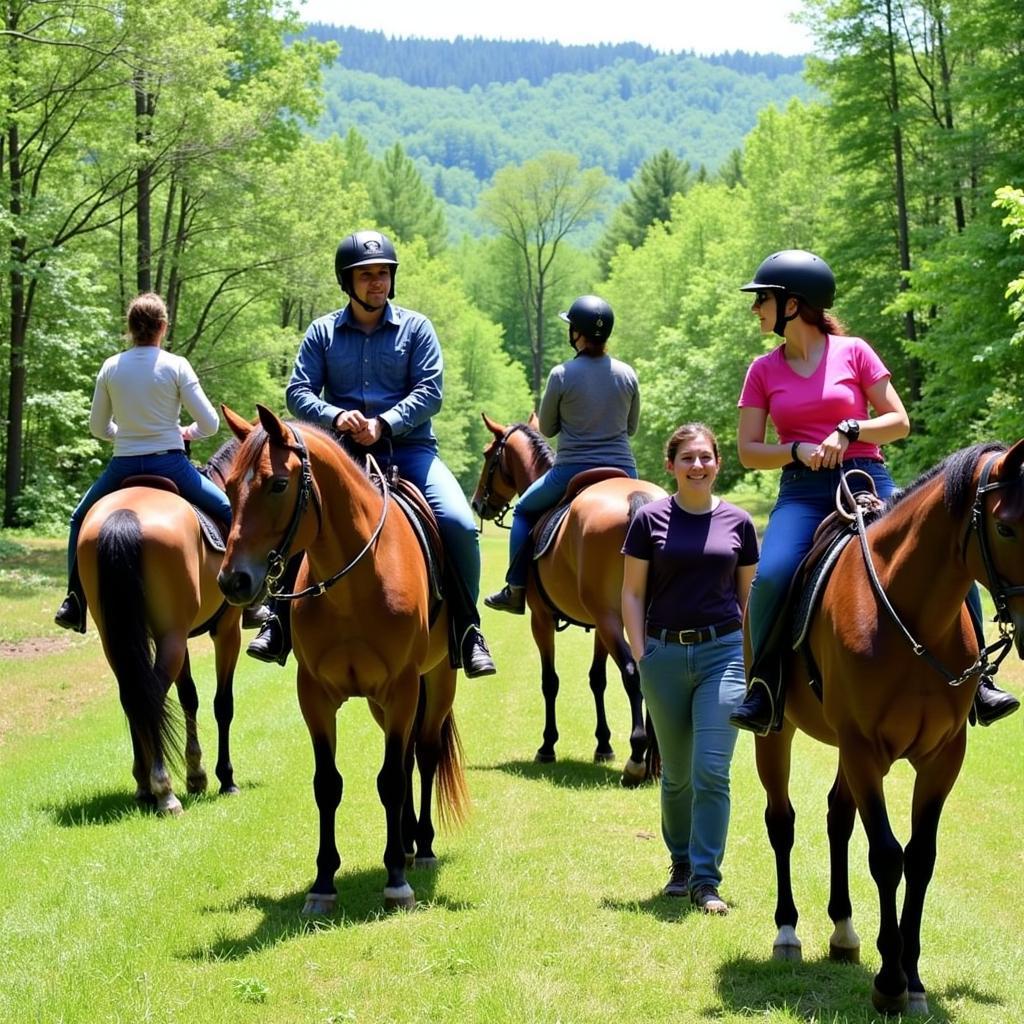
[111, 806]
[567, 774]
[360, 901]
[822, 990]
[664, 908]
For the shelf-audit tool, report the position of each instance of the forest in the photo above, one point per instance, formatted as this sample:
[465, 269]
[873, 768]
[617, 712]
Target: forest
[216, 152]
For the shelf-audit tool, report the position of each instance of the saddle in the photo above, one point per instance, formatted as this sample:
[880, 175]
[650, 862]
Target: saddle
[409, 498]
[547, 526]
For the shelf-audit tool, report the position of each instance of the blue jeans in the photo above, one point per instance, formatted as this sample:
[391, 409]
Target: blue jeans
[805, 499]
[544, 493]
[690, 691]
[192, 485]
[423, 466]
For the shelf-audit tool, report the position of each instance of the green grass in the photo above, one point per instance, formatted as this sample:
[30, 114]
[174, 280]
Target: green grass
[545, 907]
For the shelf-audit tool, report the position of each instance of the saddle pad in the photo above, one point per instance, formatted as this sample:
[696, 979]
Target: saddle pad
[409, 499]
[545, 530]
[211, 530]
[814, 585]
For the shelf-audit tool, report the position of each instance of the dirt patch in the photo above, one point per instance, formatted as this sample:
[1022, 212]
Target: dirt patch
[34, 647]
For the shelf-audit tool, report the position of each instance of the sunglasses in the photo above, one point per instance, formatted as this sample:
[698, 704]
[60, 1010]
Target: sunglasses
[761, 297]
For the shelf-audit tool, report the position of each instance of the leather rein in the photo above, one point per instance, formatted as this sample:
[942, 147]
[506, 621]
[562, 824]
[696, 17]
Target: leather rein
[998, 588]
[278, 558]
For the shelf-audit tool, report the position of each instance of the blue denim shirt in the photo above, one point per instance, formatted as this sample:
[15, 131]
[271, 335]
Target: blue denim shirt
[394, 373]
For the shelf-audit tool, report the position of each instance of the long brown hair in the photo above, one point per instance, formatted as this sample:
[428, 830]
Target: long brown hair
[824, 321]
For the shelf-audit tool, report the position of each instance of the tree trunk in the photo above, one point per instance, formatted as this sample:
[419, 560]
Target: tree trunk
[16, 363]
[144, 105]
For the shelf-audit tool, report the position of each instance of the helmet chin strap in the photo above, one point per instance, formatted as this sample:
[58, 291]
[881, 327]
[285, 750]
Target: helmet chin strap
[365, 305]
[782, 298]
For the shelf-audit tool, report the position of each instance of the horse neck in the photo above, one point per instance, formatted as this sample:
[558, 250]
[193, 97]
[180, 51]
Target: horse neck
[524, 466]
[350, 504]
[916, 551]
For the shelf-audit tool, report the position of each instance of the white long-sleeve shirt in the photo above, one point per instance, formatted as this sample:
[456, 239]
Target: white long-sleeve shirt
[138, 399]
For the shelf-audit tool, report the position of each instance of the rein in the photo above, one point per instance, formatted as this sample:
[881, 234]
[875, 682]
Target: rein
[278, 559]
[976, 523]
[495, 466]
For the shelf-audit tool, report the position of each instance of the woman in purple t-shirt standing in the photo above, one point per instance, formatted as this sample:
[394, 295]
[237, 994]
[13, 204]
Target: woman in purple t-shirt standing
[832, 403]
[689, 562]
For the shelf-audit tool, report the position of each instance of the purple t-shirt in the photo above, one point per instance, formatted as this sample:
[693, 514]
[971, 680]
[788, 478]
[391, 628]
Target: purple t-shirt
[808, 408]
[691, 579]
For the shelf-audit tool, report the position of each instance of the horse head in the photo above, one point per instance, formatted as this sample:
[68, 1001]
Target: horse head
[270, 486]
[496, 488]
[1001, 535]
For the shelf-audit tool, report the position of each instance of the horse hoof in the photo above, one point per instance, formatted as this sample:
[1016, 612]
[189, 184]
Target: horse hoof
[427, 863]
[542, 757]
[889, 1005]
[197, 783]
[410, 859]
[603, 756]
[319, 903]
[399, 897]
[844, 954]
[787, 947]
[634, 773]
[917, 1003]
[229, 790]
[170, 806]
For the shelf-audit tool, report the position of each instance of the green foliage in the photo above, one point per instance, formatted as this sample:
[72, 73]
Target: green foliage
[403, 203]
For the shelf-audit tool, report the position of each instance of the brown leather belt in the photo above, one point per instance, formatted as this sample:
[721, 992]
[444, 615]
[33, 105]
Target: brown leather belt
[694, 636]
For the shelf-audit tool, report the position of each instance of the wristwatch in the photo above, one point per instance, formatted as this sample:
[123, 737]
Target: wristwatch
[850, 429]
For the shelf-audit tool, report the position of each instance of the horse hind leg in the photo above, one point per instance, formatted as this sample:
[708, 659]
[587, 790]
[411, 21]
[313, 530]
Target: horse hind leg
[543, 629]
[598, 678]
[227, 643]
[188, 698]
[844, 943]
[637, 768]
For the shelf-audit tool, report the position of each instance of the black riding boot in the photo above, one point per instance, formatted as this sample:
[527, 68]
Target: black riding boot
[761, 711]
[990, 703]
[273, 643]
[71, 613]
[467, 646]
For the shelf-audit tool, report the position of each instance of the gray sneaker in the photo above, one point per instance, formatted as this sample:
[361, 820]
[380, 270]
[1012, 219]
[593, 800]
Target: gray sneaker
[678, 883]
[705, 898]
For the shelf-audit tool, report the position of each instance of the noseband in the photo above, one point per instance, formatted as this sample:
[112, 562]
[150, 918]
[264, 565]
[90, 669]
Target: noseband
[495, 467]
[278, 558]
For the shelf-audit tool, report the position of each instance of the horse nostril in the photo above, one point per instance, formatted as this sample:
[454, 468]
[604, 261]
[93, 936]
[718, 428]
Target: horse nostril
[235, 586]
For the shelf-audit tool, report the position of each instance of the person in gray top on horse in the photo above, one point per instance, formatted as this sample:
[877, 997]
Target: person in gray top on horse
[592, 402]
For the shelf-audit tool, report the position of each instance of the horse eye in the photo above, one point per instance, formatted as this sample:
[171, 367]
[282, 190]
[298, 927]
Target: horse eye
[278, 485]
[1003, 530]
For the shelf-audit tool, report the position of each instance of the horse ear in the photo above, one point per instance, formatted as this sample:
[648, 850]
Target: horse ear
[1012, 461]
[533, 421]
[272, 425]
[495, 428]
[240, 427]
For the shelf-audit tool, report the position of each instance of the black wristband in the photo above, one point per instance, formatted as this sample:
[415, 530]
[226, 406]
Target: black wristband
[793, 451]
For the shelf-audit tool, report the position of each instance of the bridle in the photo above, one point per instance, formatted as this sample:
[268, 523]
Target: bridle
[1001, 592]
[278, 558]
[496, 468]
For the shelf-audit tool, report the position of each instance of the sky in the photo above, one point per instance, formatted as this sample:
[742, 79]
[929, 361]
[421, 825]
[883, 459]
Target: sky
[706, 26]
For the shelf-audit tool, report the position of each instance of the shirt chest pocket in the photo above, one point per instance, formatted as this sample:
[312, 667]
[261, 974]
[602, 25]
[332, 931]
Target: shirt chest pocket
[344, 367]
[392, 363]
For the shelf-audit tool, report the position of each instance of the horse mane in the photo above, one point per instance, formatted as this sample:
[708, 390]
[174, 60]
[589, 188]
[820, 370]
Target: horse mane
[220, 461]
[541, 453]
[958, 471]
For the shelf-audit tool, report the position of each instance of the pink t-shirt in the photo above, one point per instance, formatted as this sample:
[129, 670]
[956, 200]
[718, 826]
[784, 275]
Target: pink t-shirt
[808, 408]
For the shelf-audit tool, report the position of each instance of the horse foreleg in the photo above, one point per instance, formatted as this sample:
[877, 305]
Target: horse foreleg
[391, 790]
[227, 643]
[772, 754]
[188, 698]
[860, 764]
[598, 677]
[933, 784]
[408, 806]
[844, 943]
[543, 629]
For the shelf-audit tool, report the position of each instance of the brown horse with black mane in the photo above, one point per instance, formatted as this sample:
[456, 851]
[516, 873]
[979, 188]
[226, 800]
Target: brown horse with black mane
[578, 580]
[898, 661]
[364, 625]
[150, 580]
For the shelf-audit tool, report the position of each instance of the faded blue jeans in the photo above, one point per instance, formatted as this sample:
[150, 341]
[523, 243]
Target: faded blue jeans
[691, 689]
[175, 465]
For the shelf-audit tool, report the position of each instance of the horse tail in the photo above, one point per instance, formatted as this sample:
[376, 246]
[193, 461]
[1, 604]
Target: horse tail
[637, 500]
[652, 759]
[129, 643]
[452, 792]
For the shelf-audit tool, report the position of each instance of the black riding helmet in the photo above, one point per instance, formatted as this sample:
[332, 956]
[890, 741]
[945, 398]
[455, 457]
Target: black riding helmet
[795, 272]
[591, 316]
[358, 250]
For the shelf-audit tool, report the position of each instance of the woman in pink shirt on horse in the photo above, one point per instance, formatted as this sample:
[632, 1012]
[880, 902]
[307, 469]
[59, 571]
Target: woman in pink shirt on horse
[832, 404]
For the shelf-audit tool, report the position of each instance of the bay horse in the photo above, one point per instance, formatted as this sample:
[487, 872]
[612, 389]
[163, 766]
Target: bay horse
[373, 636]
[898, 661]
[581, 575]
[150, 580]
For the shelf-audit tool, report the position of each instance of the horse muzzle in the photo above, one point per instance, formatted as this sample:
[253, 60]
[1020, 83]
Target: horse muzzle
[241, 587]
[482, 509]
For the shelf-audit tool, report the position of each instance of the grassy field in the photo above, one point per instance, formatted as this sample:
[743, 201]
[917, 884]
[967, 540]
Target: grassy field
[545, 907]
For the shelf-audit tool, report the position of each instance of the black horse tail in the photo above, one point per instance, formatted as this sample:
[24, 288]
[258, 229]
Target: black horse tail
[637, 500]
[129, 642]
